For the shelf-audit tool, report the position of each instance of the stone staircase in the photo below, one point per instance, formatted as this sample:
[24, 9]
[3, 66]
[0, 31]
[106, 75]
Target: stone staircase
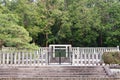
[52, 71]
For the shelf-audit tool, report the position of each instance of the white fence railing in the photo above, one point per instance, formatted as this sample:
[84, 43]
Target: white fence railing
[90, 55]
[24, 57]
[80, 56]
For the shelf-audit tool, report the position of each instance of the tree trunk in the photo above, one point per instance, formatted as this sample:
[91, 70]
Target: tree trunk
[1, 44]
[101, 41]
[46, 39]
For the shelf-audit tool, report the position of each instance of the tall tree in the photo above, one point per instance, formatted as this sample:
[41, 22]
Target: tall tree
[76, 22]
[11, 34]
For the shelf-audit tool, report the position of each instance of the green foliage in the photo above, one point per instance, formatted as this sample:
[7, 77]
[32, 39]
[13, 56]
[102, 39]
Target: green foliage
[15, 35]
[11, 34]
[111, 57]
[76, 22]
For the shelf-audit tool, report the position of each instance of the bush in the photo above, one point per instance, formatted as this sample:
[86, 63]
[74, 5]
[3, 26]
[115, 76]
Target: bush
[111, 57]
[29, 47]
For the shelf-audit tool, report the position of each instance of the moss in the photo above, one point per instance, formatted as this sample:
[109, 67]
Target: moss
[111, 57]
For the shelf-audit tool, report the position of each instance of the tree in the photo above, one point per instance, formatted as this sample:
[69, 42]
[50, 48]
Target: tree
[33, 16]
[83, 24]
[108, 15]
[11, 34]
[76, 22]
[113, 32]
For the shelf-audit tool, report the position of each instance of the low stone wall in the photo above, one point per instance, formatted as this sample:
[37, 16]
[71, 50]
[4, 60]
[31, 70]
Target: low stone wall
[115, 70]
[59, 78]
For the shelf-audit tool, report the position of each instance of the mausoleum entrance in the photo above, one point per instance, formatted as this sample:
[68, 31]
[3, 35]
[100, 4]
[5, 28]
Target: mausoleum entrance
[60, 54]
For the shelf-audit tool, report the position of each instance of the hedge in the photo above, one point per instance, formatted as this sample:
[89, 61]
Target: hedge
[111, 57]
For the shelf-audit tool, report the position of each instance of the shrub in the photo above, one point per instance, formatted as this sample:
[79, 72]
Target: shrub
[111, 57]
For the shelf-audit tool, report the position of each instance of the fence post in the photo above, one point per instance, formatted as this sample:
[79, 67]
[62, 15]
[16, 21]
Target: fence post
[30, 58]
[117, 48]
[46, 56]
[3, 57]
[73, 62]
[7, 60]
[85, 55]
[35, 57]
[93, 57]
[22, 58]
[27, 58]
[78, 54]
[19, 56]
[38, 56]
[81, 57]
[15, 54]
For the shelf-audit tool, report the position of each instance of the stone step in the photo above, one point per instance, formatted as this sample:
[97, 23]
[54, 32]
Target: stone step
[52, 71]
[58, 70]
[79, 73]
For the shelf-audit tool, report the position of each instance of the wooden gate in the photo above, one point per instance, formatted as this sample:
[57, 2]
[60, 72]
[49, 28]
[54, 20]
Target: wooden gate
[60, 54]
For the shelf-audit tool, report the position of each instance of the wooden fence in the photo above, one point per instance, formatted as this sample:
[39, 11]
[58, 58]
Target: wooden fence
[38, 57]
[90, 55]
[80, 56]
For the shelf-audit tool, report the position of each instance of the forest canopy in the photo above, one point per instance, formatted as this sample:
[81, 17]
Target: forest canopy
[26, 23]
